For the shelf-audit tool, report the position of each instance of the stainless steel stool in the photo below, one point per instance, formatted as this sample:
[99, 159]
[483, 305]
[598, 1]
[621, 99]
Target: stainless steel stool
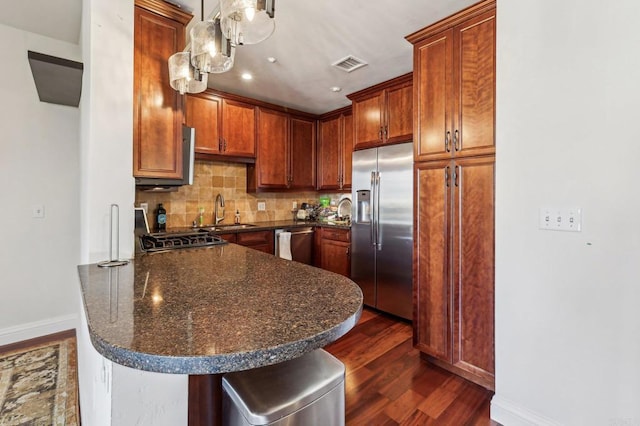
[304, 391]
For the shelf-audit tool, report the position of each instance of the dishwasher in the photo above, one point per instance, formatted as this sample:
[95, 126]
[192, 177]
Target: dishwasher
[301, 243]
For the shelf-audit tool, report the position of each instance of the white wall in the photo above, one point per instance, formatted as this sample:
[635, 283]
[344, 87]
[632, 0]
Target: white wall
[567, 304]
[115, 394]
[39, 165]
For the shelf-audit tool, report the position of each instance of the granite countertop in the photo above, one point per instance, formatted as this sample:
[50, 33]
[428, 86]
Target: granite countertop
[214, 310]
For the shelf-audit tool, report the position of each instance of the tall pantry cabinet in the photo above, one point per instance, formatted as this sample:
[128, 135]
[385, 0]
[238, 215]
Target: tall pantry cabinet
[454, 175]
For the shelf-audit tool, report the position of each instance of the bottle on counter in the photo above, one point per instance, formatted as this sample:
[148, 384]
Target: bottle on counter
[161, 218]
[236, 219]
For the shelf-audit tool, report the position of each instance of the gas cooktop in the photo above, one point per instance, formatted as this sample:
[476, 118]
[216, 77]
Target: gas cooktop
[178, 240]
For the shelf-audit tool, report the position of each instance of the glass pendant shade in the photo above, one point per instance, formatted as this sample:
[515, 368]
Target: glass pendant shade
[183, 77]
[247, 21]
[211, 52]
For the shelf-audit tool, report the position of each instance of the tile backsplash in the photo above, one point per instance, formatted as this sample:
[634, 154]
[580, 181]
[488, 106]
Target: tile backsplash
[230, 180]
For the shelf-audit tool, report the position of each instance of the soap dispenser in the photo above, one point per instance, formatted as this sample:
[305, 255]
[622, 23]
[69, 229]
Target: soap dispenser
[236, 219]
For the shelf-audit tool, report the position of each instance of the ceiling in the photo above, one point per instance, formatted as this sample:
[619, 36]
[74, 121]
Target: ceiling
[309, 37]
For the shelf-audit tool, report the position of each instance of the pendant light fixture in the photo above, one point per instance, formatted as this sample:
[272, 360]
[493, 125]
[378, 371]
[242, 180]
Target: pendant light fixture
[211, 51]
[214, 41]
[247, 21]
[183, 77]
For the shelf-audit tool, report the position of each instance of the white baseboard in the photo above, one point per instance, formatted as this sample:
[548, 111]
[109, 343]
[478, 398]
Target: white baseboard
[37, 328]
[510, 413]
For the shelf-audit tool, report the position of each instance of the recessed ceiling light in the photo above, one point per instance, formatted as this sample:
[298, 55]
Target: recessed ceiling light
[271, 59]
[246, 76]
[336, 89]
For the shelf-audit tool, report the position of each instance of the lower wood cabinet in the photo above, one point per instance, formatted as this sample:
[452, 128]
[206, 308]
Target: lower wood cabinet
[454, 265]
[334, 250]
[257, 240]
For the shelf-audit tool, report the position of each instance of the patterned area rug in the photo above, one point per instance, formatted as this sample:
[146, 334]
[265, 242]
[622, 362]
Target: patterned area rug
[38, 385]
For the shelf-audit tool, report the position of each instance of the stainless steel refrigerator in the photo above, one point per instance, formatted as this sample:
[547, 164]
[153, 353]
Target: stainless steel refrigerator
[382, 227]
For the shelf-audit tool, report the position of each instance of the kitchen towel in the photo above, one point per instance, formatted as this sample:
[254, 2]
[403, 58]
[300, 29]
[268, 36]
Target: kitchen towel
[284, 245]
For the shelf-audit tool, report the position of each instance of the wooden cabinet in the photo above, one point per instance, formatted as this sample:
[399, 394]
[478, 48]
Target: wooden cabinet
[225, 128]
[334, 250]
[257, 240]
[454, 80]
[238, 129]
[286, 153]
[203, 112]
[302, 141]
[383, 114]
[335, 149]
[157, 108]
[454, 193]
[454, 248]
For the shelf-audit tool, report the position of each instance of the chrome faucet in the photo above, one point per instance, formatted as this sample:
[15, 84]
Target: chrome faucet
[219, 201]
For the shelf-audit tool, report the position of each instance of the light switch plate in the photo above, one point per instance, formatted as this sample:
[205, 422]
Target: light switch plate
[560, 219]
[37, 211]
[262, 206]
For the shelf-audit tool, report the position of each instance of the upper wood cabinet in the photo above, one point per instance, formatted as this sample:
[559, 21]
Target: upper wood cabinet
[238, 129]
[225, 129]
[335, 149]
[302, 139]
[286, 153]
[383, 114]
[157, 108]
[454, 80]
[204, 113]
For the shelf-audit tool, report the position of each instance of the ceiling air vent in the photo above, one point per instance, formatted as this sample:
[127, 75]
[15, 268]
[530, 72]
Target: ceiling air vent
[349, 63]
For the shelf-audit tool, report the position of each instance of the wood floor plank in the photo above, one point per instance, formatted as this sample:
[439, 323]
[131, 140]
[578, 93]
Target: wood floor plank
[388, 384]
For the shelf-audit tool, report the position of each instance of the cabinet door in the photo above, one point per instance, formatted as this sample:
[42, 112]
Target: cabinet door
[272, 164]
[302, 141]
[329, 138]
[258, 240]
[474, 63]
[432, 332]
[473, 261]
[399, 118]
[347, 152]
[432, 81]
[335, 256]
[368, 119]
[203, 114]
[238, 129]
[157, 135]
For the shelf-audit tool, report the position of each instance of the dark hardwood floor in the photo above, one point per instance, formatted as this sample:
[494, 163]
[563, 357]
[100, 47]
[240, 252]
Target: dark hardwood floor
[388, 384]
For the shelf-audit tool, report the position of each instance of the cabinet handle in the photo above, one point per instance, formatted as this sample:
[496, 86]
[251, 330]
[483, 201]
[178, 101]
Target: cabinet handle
[455, 176]
[446, 141]
[455, 140]
[380, 133]
[348, 254]
[386, 131]
[219, 144]
[225, 145]
[446, 176]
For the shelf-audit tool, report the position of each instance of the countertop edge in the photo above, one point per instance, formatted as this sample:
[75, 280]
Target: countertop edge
[212, 364]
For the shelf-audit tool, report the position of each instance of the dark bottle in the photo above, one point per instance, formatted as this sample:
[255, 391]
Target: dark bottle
[161, 218]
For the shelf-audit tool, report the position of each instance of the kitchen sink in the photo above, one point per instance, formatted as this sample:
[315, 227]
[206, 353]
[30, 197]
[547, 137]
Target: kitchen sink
[225, 227]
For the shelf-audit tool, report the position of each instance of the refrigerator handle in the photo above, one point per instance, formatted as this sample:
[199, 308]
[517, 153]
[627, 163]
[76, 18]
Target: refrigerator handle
[372, 222]
[378, 236]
